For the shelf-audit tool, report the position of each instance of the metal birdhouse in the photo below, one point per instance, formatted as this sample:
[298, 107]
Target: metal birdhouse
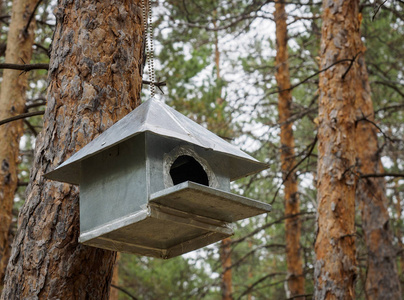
[158, 184]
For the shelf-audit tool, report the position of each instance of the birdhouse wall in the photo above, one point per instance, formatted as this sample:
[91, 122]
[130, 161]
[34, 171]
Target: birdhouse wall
[162, 152]
[113, 184]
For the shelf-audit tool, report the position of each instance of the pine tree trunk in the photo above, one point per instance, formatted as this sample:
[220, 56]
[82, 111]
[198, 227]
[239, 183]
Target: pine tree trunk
[382, 281]
[292, 203]
[398, 233]
[335, 267]
[225, 249]
[225, 256]
[12, 102]
[249, 274]
[94, 80]
[114, 294]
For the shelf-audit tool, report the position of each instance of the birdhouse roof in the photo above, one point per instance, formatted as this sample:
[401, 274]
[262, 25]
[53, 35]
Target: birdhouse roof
[156, 117]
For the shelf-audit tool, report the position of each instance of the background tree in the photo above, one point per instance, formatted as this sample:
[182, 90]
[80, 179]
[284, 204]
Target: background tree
[371, 194]
[335, 268]
[289, 178]
[12, 102]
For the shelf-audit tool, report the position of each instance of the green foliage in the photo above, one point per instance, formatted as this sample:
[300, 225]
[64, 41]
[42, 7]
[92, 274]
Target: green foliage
[177, 278]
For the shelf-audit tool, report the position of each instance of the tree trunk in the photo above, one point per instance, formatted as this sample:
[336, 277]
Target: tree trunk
[335, 267]
[12, 102]
[382, 281]
[114, 295]
[250, 274]
[292, 203]
[95, 79]
[225, 253]
[398, 233]
[225, 256]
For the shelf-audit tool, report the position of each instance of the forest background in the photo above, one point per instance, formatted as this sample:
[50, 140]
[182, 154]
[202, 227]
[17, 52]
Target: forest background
[221, 63]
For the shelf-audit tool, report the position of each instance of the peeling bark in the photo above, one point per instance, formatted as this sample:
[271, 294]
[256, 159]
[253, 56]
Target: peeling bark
[382, 281]
[335, 266]
[12, 102]
[94, 80]
[292, 203]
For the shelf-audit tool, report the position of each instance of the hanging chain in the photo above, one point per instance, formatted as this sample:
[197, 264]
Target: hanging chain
[148, 28]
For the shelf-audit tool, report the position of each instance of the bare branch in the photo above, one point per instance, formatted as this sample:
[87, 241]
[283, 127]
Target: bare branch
[25, 67]
[377, 10]
[30, 127]
[365, 118]
[21, 116]
[251, 287]
[382, 175]
[313, 144]
[158, 84]
[350, 65]
[124, 290]
[32, 16]
[280, 220]
[306, 296]
[311, 76]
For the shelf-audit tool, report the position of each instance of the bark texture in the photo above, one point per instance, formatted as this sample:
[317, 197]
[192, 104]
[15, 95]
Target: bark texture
[12, 102]
[292, 203]
[114, 294]
[382, 281]
[94, 80]
[225, 257]
[335, 267]
[398, 232]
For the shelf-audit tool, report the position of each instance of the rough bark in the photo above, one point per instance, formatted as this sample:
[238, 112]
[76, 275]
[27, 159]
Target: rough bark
[250, 274]
[225, 256]
[94, 80]
[292, 203]
[398, 232]
[382, 281]
[335, 267]
[114, 295]
[12, 102]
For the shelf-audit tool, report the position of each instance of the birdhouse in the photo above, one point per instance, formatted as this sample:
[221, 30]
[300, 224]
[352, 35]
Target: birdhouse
[158, 184]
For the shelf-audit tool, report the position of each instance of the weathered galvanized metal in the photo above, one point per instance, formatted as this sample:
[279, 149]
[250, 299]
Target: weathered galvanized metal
[157, 184]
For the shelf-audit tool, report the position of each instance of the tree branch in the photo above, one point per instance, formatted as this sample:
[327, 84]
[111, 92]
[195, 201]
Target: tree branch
[350, 65]
[22, 116]
[311, 76]
[25, 67]
[254, 232]
[32, 16]
[29, 67]
[30, 127]
[377, 10]
[158, 84]
[251, 287]
[381, 175]
[298, 296]
[124, 290]
[294, 167]
[365, 118]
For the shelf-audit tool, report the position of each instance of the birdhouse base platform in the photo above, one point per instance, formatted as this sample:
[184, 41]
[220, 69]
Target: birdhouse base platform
[177, 220]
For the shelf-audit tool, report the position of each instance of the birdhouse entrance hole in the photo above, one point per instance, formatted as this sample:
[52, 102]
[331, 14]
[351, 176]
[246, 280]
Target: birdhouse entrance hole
[186, 168]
